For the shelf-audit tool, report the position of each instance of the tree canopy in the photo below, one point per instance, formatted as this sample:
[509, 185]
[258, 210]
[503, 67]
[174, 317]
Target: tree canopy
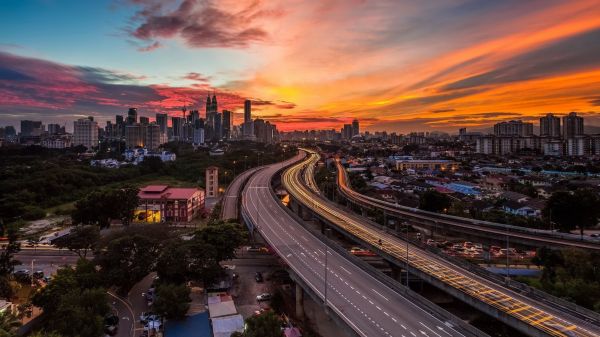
[80, 240]
[573, 210]
[434, 201]
[172, 300]
[100, 207]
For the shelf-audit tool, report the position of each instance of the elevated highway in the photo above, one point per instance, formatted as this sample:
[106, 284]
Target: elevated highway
[479, 228]
[525, 314]
[231, 197]
[365, 304]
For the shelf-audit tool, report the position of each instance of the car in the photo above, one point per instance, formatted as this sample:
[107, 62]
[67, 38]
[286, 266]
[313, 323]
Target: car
[595, 235]
[146, 317]
[263, 297]
[111, 324]
[22, 275]
[253, 250]
[38, 274]
[258, 277]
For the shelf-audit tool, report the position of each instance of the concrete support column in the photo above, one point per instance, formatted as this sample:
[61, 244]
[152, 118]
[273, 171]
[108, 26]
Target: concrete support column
[299, 302]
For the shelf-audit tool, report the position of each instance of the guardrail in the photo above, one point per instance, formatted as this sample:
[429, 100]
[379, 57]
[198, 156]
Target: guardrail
[425, 304]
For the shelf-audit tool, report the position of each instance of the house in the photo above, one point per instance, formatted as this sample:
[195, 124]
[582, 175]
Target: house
[160, 203]
[528, 209]
[544, 192]
[514, 196]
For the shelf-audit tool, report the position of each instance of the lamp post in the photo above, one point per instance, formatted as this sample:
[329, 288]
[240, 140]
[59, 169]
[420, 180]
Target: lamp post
[234, 162]
[31, 276]
[507, 258]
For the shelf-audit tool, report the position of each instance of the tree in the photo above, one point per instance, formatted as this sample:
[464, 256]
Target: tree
[128, 259]
[74, 293]
[8, 262]
[99, 207]
[172, 300]
[173, 262]
[224, 236]
[9, 324]
[80, 240]
[434, 201]
[569, 211]
[264, 325]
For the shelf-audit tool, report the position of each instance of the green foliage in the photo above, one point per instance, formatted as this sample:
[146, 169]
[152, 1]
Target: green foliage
[99, 207]
[172, 300]
[277, 302]
[80, 240]
[264, 325]
[74, 293]
[9, 324]
[128, 259]
[569, 211]
[434, 201]
[8, 262]
[571, 274]
[358, 183]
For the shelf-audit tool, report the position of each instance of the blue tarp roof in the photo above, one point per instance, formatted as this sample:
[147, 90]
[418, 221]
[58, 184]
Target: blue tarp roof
[193, 326]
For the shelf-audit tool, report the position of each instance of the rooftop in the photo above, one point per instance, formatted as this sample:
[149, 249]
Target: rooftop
[166, 192]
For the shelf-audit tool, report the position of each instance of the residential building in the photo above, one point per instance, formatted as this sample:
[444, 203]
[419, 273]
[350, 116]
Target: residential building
[161, 120]
[550, 126]
[131, 116]
[355, 128]
[513, 128]
[31, 128]
[425, 164]
[212, 182]
[85, 132]
[572, 125]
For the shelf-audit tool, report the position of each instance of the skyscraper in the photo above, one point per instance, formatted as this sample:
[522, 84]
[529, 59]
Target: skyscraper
[85, 132]
[144, 120]
[247, 111]
[31, 128]
[226, 124]
[550, 126]
[131, 116]
[347, 131]
[161, 120]
[355, 128]
[572, 125]
[177, 124]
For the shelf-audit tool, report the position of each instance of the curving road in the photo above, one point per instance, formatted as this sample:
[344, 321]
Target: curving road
[550, 320]
[229, 209]
[368, 306]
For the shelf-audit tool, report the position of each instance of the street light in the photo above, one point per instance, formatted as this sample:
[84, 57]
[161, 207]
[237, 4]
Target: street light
[507, 246]
[31, 276]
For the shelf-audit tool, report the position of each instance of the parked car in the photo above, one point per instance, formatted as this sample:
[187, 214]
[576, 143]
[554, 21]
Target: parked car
[22, 275]
[111, 324]
[145, 317]
[38, 274]
[258, 277]
[263, 297]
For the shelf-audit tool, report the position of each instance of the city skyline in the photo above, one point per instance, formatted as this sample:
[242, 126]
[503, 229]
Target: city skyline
[396, 66]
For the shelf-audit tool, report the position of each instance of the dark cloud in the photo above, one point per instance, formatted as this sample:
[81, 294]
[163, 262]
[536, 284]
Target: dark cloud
[196, 77]
[153, 46]
[595, 101]
[437, 111]
[567, 55]
[202, 23]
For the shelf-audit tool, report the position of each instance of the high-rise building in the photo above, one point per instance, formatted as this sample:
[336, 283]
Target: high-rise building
[572, 125]
[161, 120]
[85, 132]
[31, 128]
[119, 127]
[153, 138]
[226, 125]
[550, 126]
[177, 124]
[144, 120]
[347, 131]
[134, 135]
[218, 127]
[131, 116]
[212, 182]
[513, 128]
[54, 129]
[199, 136]
[247, 110]
[355, 128]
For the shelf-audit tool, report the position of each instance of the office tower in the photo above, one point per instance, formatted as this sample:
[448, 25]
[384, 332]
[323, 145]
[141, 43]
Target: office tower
[131, 116]
[212, 181]
[218, 127]
[226, 125]
[572, 125]
[119, 126]
[462, 131]
[161, 120]
[134, 136]
[198, 136]
[144, 120]
[550, 126]
[194, 116]
[152, 136]
[513, 128]
[54, 129]
[177, 125]
[85, 132]
[247, 111]
[259, 130]
[31, 128]
[10, 133]
[347, 131]
[355, 128]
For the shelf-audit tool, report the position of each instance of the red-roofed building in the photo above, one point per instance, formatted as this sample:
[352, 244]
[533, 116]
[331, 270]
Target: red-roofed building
[161, 203]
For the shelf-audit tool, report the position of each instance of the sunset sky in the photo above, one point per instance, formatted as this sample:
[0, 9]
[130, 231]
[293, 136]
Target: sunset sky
[395, 65]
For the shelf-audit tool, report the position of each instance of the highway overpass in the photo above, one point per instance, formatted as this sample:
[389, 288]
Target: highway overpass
[359, 299]
[231, 197]
[470, 227]
[523, 313]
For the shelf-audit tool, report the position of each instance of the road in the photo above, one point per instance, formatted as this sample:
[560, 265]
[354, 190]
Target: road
[369, 307]
[551, 320]
[229, 209]
[543, 237]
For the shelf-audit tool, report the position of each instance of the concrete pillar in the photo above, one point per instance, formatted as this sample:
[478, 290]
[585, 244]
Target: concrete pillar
[299, 302]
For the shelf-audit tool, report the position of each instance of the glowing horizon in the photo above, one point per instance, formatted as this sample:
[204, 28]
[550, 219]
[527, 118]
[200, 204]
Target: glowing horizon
[395, 65]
